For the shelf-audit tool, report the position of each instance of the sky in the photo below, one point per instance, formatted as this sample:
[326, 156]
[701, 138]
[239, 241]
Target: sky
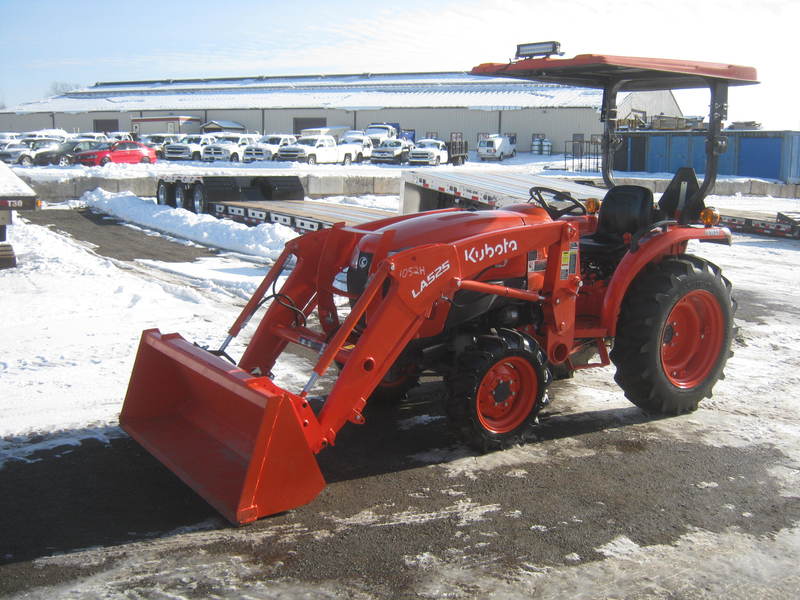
[86, 41]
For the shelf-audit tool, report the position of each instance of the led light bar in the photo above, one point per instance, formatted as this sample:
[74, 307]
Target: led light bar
[538, 49]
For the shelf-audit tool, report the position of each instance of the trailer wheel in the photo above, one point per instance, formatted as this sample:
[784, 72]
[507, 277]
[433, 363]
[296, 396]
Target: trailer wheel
[182, 196]
[165, 193]
[674, 335]
[198, 199]
[496, 390]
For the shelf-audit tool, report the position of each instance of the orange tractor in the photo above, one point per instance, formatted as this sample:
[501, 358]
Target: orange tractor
[495, 302]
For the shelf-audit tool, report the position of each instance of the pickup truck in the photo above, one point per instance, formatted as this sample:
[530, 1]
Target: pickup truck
[392, 151]
[267, 147]
[358, 144]
[228, 146]
[315, 149]
[189, 148]
[158, 141]
[428, 152]
[380, 132]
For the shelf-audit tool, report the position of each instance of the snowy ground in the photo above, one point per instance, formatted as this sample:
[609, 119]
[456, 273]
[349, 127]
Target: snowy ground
[72, 325]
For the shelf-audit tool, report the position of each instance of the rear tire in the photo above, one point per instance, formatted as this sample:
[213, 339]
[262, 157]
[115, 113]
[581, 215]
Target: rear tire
[674, 335]
[165, 194]
[198, 204]
[496, 390]
[182, 196]
[105, 161]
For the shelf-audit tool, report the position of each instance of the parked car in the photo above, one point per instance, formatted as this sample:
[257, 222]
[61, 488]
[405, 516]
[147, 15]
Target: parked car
[496, 147]
[190, 147]
[9, 136]
[158, 141]
[64, 154]
[358, 144]
[118, 152]
[46, 134]
[120, 136]
[229, 146]
[392, 151]
[91, 135]
[25, 152]
[315, 149]
[428, 152]
[267, 147]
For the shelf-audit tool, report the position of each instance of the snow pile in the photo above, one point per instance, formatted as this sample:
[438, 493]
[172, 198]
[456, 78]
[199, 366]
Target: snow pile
[68, 350]
[266, 240]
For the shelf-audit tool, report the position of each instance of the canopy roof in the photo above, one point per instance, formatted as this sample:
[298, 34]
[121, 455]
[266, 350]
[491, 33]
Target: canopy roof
[637, 74]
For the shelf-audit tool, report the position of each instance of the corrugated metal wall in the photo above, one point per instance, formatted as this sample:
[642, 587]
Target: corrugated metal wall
[762, 154]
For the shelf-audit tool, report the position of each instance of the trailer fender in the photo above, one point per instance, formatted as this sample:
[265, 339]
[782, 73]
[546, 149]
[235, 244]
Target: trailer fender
[651, 249]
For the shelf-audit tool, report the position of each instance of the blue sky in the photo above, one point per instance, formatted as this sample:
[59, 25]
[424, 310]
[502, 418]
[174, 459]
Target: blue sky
[85, 41]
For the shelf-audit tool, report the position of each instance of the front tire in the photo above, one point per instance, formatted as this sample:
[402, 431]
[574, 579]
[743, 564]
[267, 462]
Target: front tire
[674, 335]
[496, 390]
[312, 160]
[26, 161]
[347, 160]
[64, 161]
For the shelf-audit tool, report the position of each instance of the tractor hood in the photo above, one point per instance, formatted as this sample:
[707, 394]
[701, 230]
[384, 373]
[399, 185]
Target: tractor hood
[445, 227]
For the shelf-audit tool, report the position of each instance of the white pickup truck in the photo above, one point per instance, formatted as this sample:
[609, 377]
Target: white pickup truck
[190, 147]
[428, 152]
[229, 146]
[380, 132]
[392, 151]
[267, 147]
[358, 144]
[315, 149]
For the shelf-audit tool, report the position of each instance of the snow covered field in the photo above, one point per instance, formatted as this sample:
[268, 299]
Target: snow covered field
[73, 319]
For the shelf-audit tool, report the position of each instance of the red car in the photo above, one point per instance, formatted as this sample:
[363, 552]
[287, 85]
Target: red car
[118, 152]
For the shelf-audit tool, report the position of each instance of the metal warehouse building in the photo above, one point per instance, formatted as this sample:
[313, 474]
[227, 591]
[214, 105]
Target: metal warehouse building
[431, 104]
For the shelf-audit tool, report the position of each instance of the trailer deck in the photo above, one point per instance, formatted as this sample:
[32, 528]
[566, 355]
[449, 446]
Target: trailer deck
[782, 224]
[303, 215]
[423, 190]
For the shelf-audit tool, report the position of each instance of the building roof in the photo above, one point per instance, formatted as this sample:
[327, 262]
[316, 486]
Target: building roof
[364, 91]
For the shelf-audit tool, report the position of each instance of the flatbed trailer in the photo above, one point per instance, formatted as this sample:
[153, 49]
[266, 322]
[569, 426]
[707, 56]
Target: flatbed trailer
[15, 194]
[423, 190]
[254, 200]
[302, 215]
[783, 224]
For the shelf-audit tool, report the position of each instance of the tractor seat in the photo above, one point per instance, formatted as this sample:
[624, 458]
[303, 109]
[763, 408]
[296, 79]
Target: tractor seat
[625, 209]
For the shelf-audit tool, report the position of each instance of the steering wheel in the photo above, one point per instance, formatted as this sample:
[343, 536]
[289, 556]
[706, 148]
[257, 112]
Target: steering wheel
[537, 194]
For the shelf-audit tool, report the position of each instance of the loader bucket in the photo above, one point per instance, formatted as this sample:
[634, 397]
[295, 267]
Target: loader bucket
[233, 438]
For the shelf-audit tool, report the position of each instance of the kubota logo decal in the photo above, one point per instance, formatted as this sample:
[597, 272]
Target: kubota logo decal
[432, 276]
[479, 254]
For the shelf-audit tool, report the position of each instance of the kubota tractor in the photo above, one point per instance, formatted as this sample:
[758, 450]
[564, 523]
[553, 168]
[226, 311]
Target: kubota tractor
[494, 301]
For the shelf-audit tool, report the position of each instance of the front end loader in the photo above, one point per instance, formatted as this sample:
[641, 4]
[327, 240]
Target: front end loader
[494, 302]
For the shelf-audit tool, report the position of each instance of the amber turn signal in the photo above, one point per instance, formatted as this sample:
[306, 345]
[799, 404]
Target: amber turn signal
[709, 216]
[592, 206]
